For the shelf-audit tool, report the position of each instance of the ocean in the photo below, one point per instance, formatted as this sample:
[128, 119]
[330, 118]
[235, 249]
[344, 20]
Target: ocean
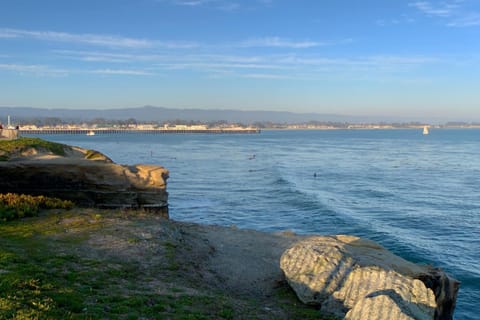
[417, 195]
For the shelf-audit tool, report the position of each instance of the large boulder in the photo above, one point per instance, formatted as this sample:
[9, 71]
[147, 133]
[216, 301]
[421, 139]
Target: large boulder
[358, 279]
[86, 177]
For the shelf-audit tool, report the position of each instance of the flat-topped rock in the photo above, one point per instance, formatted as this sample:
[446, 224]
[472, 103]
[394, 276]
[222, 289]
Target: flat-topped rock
[357, 279]
[86, 177]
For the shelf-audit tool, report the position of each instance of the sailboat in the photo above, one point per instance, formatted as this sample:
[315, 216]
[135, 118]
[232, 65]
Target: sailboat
[91, 133]
[425, 130]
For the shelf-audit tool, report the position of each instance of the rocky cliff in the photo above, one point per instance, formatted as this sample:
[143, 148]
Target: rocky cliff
[86, 177]
[357, 279]
[8, 134]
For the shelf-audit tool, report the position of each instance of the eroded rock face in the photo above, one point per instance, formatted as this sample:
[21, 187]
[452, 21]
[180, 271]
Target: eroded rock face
[357, 279]
[8, 134]
[88, 182]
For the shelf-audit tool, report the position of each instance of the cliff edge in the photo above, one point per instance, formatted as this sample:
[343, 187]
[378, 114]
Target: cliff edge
[86, 177]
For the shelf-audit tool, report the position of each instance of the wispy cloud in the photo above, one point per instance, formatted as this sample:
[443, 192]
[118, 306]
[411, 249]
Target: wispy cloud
[7, 34]
[208, 66]
[94, 56]
[400, 20]
[133, 43]
[39, 70]
[267, 67]
[95, 39]
[454, 12]
[278, 64]
[105, 57]
[44, 70]
[90, 39]
[304, 67]
[121, 72]
[278, 42]
[467, 20]
[281, 58]
[194, 3]
[266, 76]
[231, 6]
[20, 67]
[440, 9]
[374, 63]
[224, 5]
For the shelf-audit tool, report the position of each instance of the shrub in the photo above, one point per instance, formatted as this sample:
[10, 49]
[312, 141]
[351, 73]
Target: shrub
[15, 206]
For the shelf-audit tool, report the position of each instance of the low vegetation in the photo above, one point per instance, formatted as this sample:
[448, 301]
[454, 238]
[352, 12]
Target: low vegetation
[14, 147]
[101, 264]
[95, 155]
[47, 273]
[15, 206]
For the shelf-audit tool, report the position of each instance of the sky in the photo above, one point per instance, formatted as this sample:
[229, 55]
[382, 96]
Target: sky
[406, 59]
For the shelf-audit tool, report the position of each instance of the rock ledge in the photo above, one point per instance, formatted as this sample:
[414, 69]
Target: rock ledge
[86, 177]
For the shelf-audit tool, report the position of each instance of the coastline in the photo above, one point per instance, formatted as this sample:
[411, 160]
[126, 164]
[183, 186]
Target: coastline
[103, 263]
[134, 263]
[226, 260]
[183, 269]
[94, 131]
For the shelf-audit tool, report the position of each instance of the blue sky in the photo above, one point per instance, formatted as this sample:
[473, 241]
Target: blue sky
[411, 59]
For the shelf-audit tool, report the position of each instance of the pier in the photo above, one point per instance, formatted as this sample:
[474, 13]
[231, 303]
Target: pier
[92, 132]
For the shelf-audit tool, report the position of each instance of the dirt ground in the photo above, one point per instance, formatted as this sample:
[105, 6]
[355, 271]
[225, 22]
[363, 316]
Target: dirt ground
[170, 256]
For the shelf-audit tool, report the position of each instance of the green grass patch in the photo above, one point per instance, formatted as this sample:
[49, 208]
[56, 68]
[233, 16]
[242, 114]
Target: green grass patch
[9, 147]
[170, 254]
[48, 270]
[43, 275]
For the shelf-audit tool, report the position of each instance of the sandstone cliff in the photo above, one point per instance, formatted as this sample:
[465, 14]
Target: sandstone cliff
[86, 177]
[8, 134]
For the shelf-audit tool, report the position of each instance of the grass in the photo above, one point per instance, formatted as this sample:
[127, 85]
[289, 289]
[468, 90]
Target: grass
[49, 271]
[9, 147]
[12, 148]
[42, 276]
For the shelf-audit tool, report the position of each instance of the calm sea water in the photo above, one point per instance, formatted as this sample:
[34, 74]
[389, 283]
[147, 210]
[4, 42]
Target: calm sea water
[417, 195]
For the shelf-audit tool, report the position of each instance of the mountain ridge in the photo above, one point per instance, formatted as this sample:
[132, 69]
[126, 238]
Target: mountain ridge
[163, 114]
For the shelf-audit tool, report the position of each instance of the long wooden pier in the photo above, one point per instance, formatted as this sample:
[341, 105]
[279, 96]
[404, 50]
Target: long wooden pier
[142, 131]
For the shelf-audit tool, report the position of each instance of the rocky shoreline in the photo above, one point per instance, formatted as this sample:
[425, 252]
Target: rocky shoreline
[343, 276]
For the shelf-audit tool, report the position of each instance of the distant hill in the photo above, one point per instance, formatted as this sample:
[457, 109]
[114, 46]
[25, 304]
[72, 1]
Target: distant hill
[160, 114]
